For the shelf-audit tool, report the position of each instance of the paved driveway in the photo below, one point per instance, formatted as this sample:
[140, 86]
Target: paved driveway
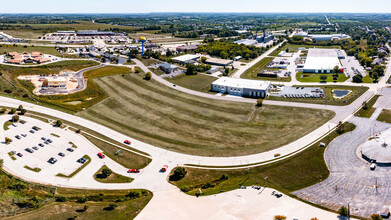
[351, 180]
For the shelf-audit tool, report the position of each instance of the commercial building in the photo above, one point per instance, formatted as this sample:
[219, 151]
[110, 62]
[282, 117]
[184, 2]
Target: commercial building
[95, 33]
[321, 64]
[55, 82]
[247, 42]
[186, 48]
[64, 33]
[168, 68]
[187, 58]
[241, 87]
[219, 62]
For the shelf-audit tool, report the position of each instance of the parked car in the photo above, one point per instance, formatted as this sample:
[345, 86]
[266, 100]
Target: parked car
[70, 149]
[14, 152]
[15, 125]
[43, 138]
[35, 128]
[35, 148]
[17, 137]
[22, 122]
[19, 154]
[134, 171]
[61, 154]
[101, 156]
[127, 142]
[41, 145]
[24, 135]
[32, 131]
[163, 169]
[49, 140]
[82, 160]
[52, 160]
[29, 150]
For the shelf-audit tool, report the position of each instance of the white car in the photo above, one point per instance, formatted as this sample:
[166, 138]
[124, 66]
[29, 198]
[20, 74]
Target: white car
[373, 166]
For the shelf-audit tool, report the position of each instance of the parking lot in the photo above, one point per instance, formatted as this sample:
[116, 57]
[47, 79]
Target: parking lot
[38, 146]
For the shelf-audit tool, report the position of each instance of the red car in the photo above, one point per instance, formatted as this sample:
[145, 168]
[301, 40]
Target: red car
[127, 142]
[134, 171]
[19, 154]
[164, 169]
[101, 156]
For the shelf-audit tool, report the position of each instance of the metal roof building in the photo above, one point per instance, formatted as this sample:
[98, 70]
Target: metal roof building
[241, 87]
[187, 58]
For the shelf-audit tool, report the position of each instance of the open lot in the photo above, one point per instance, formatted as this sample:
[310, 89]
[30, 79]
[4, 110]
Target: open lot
[20, 49]
[199, 82]
[307, 77]
[153, 113]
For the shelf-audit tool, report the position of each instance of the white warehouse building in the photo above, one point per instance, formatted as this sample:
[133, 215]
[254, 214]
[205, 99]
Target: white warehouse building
[321, 64]
[241, 87]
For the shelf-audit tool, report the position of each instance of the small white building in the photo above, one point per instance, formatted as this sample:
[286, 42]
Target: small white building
[187, 58]
[321, 64]
[241, 87]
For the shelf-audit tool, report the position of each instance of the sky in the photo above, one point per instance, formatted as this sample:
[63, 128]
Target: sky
[146, 6]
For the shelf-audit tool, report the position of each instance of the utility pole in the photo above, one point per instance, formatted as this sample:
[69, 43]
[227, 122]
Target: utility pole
[265, 181]
[348, 210]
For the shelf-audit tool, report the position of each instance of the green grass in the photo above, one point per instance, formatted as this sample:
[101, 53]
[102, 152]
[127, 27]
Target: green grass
[153, 113]
[367, 79]
[199, 82]
[297, 172]
[306, 77]
[125, 158]
[149, 61]
[385, 116]
[369, 110]
[328, 99]
[113, 178]
[55, 135]
[252, 72]
[12, 155]
[6, 125]
[78, 169]
[126, 208]
[36, 169]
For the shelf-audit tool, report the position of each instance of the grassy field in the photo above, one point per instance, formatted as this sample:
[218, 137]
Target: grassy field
[113, 178]
[164, 117]
[15, 194]
[125, 158]
[20, 49]
[294, 173]
[305, 77]
[385, 116]
[199, 82]
[369, 110]
[252, 73]
[86, 98]
[129, 205]
[328, 99]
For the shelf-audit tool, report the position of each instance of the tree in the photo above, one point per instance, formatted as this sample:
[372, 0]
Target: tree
[178, 174]
[148, 76]
[191, 69]
[13, 111]
[259, 102]
[3, 110]
[323, 78]
[7, 140]
[23, 111]
[340, 128]
[20, 107]
[85, 208]
[58, 123]
[203, 59]
[112, 206]
[343, 211]
[15, 118]
[336, 69]
[1, 163]
[279, 217]
[105, 173]
[357, 78]
[168, 53]
[365, 105]
[375, 76]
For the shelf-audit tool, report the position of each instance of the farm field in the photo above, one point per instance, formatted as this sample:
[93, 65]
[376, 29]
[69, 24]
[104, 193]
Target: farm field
[153, 113]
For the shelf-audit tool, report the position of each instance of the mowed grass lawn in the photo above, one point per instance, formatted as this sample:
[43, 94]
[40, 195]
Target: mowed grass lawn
[385, 116]
[296, 172]
[199, 82]
[164, 117]
[307, 77]
[29, 49]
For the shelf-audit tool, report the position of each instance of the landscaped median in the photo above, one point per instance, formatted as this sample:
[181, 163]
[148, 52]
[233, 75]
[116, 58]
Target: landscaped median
[293, 173]
[367, 109]
[105, 175]
[78, 169]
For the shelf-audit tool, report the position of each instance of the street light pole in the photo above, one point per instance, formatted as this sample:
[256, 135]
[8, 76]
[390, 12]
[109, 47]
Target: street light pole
[265, 181]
